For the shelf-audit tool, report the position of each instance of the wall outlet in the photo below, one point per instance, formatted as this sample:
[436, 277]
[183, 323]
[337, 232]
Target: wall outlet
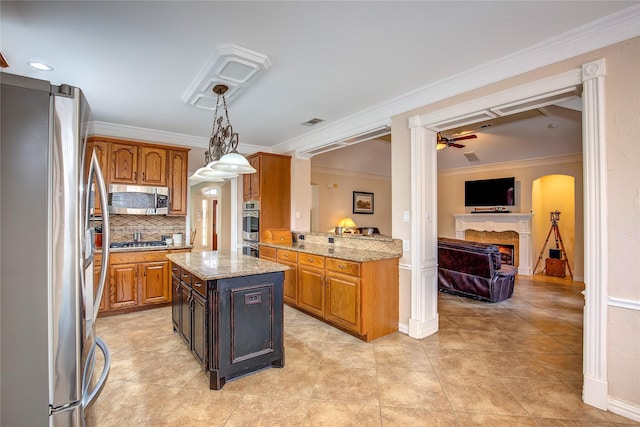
[406, 245]
[331, 240]
[300, 236]
[405, 216]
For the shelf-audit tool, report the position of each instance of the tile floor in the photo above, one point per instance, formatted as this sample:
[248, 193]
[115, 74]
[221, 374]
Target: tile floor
[515, 363]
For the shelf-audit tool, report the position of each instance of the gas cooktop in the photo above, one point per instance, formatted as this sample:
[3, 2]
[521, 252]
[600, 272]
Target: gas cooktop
[152, 243]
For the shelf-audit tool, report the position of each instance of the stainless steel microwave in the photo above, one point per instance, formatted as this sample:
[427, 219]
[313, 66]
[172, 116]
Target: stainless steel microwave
[138, 200]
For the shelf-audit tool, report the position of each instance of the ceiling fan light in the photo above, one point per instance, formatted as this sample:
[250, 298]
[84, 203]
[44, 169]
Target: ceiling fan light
[235, 163]
[441, 146]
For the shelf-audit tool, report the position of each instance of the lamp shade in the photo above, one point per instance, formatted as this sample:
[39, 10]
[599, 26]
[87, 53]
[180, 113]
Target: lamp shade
[347, 223]
[206, 174]
[235, 163]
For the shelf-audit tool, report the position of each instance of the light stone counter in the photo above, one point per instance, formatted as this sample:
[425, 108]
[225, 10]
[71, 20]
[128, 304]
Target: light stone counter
[339, 252]
[212, 265]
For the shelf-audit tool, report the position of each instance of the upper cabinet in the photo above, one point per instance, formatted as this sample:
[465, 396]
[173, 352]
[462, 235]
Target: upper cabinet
[137, 163]
[178, 182]
[143, 165]
[271, 185]
[101, 149]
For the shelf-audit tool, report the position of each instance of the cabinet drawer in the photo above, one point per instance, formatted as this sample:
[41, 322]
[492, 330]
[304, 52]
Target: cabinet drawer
[285, 255]
[199, 285]
[186, 277]
[175, 270]
[342, 266]
[267, 252]
[314, 260]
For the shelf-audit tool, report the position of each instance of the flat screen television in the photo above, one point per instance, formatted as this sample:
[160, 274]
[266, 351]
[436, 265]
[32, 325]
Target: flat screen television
[490, 192]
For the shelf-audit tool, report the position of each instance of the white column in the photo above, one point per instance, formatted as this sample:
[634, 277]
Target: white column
[424, 267]
[596, 388]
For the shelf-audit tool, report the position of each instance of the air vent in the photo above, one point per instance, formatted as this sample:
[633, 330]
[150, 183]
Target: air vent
[471, 156]
[312, 122]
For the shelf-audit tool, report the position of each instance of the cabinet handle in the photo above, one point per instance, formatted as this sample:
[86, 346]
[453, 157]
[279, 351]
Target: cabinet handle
[135, 176]
[197, 284]
[143, 176]
[343, 266]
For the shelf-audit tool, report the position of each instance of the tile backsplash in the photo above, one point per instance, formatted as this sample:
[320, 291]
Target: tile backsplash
[152, 227]
[355, 241]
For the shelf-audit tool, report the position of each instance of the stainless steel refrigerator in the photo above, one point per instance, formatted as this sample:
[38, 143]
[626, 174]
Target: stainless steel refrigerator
[51, 369]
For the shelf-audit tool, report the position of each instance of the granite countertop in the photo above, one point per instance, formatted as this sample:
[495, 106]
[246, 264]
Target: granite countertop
[345, 253]
[147, 248]
[211, 265]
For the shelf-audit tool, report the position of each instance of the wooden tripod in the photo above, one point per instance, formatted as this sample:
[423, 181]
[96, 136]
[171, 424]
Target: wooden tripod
[554, 218]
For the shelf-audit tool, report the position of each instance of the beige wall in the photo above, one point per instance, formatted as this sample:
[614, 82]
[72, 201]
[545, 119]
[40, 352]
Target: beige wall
[623, 176]
[336, 198]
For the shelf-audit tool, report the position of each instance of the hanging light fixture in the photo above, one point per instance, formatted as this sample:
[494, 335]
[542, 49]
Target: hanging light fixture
[222, 160]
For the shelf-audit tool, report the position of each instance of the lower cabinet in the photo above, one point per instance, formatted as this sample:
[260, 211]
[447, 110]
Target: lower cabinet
[137, 280]
[97, 265]
[359, 297]
[232, 326]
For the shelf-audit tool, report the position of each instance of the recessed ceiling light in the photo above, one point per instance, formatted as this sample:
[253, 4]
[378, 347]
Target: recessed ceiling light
[40, 66]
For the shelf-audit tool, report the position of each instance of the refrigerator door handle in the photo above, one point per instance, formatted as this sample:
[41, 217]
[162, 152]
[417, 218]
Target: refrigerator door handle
[88, 398]
[94, 171]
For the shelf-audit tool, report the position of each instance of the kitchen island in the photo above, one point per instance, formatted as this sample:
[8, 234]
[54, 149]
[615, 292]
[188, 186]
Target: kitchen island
[228, 309]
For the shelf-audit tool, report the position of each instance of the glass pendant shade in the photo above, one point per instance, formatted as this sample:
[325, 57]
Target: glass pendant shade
[234, 163]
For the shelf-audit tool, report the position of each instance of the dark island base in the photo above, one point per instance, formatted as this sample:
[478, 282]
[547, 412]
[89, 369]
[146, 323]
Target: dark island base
[216, 381]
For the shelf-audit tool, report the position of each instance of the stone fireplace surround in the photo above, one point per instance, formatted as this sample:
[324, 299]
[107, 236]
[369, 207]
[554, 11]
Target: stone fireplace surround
[521, 223]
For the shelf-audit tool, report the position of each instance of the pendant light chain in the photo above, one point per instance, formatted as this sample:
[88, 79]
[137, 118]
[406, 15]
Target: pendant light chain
[223, 140]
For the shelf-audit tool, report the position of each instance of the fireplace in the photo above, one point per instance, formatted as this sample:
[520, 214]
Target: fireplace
[506, 253]
[518, 223]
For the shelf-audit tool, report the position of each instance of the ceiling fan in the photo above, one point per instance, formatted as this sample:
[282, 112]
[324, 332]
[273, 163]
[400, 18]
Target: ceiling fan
[444, 142]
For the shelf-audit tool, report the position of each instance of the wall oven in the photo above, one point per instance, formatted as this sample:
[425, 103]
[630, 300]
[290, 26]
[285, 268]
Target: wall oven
[251, 222]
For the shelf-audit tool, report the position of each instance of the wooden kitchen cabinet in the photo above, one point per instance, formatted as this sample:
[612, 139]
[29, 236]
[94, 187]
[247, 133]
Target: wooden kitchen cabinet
[138, 164]
[123, 286]
[154, 282]
[177, 178]
[311, 291]
[152, 166]
[124, 164]
[101, 149]
[290, 283]
[138, 280]
[358, 297]
[271, 186]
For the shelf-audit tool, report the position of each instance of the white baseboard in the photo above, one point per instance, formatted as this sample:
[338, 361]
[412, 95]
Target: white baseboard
[624, 409]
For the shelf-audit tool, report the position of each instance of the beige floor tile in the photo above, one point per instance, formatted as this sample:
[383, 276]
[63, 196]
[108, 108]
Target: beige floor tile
[484, 395]
[332, 414]
[196, 408]
[412, 357]
[481, 420]
[404, 417]
[356, 355]
[295, 381]
[551, 399]
[401, 387]
[346, 385]
[255, 410]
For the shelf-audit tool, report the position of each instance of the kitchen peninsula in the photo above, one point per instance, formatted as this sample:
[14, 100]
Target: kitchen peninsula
[348, 281]
[228, 309]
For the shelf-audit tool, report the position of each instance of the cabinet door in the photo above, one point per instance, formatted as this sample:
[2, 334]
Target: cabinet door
[199, 328]
[155, 282]
[343, 301]
[96, 281]
[124, 163]
[254, 178]
[290, 284]
[122, 287]
[102, 154]
[176, 303]
[311, 294]
[178, 182]
[185, 313]
[152, 166]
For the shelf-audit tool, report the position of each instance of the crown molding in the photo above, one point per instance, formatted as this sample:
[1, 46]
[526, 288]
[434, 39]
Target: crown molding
[615, 28]
[161, 137]
[518, 164]
[351, 173]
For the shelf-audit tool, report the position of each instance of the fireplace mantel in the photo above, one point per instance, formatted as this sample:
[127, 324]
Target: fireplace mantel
[521, 223]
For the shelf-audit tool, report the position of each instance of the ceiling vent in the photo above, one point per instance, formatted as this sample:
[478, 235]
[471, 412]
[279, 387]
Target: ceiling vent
[312, 122]
[231, 65]
[471, 156]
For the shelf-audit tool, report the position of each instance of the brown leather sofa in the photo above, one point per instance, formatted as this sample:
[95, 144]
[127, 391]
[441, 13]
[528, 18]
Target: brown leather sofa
[474, 270]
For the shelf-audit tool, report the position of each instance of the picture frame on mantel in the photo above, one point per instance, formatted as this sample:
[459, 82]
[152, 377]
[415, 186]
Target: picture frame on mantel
[362, 202]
